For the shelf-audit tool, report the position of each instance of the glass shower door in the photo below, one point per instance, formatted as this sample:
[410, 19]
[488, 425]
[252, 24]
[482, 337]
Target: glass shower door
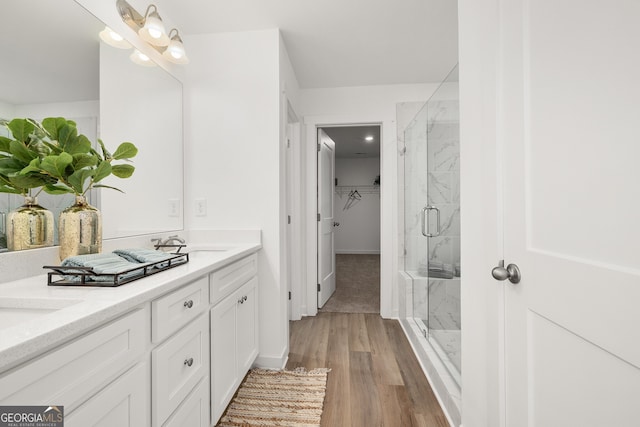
[443, 198]
[432, 221]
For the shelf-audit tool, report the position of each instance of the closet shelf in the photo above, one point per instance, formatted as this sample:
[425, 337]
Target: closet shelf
[362, 189]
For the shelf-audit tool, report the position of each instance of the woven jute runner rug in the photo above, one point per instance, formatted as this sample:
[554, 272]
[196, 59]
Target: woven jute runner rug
[278, 398]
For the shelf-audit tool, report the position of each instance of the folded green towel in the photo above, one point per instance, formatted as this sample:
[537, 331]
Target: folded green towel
[143, 255]
[107, 263]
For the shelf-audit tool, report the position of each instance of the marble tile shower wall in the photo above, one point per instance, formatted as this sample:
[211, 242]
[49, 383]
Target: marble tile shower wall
[432, 176]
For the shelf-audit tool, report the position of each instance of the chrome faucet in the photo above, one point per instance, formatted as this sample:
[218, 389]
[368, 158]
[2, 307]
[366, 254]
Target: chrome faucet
[169, 242]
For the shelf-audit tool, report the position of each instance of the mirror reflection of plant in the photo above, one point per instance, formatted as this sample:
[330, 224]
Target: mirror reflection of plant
[67, 160]
[17, 153]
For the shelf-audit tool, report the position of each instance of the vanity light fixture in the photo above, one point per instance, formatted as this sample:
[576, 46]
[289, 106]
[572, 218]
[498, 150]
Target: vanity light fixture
[175, 51]
[141, 59]
[151, 29]
[368, 138]
[114, 39]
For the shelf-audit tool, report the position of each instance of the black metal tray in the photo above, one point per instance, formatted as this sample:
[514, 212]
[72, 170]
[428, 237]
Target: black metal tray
[85, 276]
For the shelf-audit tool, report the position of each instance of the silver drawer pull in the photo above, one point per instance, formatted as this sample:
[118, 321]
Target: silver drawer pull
[189, 361]
[244, 298]
[188, 304]
[241, 300]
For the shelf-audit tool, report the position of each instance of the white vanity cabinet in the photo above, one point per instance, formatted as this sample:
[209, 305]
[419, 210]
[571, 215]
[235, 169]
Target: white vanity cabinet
[93, 371]
[156, 361]
[234, 329]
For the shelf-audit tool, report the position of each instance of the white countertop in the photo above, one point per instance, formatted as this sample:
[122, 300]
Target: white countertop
[95, 305]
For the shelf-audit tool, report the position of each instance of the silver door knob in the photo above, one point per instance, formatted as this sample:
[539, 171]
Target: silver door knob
[512, 272]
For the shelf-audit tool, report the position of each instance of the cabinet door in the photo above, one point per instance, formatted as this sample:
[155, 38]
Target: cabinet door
[194, 411]
[247, 332]
[123, 403]
[224, 378]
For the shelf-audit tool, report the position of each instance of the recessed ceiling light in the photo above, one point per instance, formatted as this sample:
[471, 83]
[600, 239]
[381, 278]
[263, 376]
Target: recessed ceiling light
[368, 138]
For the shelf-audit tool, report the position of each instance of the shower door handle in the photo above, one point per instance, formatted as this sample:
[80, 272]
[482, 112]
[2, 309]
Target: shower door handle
[424, 222]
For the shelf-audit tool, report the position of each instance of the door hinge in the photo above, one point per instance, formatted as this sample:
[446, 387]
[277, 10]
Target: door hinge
[288, 219]
[288, 143]
[289, 295]
[318, 147]
[318, 217]
[318, 287]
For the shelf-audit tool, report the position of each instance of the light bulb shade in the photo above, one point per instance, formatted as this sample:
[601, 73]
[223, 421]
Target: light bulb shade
[153, 31]
[175, 51]
[141, 59]
[114, 39]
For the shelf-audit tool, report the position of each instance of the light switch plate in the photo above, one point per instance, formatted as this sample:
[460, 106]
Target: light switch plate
[201, 207]
[174, 207]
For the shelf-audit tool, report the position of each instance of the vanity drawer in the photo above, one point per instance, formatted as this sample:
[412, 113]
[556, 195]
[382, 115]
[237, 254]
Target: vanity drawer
[226, 280]
[75, 371]
[172, 311]
[177, 366]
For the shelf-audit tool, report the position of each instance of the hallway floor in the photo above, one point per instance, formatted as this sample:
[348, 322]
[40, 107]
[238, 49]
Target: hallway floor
[357, 285]
[375, 379]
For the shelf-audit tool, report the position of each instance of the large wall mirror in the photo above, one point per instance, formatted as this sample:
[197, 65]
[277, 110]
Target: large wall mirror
[55, 65]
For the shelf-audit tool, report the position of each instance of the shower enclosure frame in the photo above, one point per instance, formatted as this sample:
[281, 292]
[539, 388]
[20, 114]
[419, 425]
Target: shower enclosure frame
[431, 213]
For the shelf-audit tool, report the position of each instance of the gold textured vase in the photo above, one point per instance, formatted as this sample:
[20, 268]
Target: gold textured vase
[29, 227]
[80, 229]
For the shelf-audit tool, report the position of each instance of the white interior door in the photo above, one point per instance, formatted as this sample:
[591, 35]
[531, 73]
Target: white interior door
[326, 251]
[570, 109]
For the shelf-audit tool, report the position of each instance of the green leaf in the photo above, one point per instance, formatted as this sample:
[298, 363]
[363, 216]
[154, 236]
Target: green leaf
[122, 171]
[28, 181]
[57, 189]
[7, 189]
[78, 178]
[67, 136]
[10, 165]
[53, 125]
[102, 171]
[105, 153]
[21, 152]
[53, 147]
[21, 129]
[109, 187]
[34, 166]
[126, 150]
[84, 160]
[56, 165]
[4, 144]
[78, 145]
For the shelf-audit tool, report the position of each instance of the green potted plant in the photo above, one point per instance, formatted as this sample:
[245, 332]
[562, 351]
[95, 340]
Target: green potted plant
[29, 226]
[77, 167]
[52, 155]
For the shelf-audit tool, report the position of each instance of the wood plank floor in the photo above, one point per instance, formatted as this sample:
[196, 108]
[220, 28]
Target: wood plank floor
[375, 379]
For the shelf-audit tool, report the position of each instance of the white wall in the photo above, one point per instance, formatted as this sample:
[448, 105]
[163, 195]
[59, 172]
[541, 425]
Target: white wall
[359, 229]
[357, 105]
[233, 156]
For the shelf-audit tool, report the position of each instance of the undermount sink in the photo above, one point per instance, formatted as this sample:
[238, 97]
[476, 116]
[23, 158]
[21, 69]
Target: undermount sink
[14, 311]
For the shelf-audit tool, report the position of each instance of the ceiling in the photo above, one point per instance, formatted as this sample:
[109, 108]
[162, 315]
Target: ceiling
[331, 43]
[337, 43]
[350, 141]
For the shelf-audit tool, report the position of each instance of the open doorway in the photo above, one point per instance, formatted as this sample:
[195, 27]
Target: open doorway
[355, 220]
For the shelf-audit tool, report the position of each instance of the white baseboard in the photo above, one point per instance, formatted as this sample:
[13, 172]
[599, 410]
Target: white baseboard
[272, 362]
